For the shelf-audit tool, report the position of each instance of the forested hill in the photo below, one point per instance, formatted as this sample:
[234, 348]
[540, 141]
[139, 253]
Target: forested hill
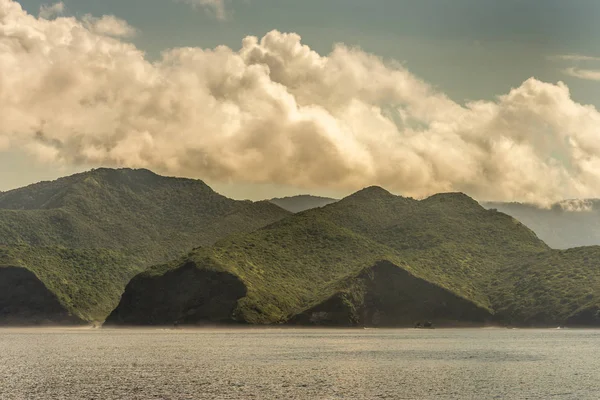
[373, 259]
[69, 247]
[158, 217]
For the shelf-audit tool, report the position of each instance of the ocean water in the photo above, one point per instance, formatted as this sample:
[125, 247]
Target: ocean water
[299, 364]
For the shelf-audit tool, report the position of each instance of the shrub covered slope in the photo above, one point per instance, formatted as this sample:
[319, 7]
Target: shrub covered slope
[378, 259]
[86, 235]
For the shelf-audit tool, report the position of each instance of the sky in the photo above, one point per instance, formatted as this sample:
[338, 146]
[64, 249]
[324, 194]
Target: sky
[495, 99]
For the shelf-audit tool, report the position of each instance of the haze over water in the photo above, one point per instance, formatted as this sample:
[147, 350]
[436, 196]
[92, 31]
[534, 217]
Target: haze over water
[299, 364]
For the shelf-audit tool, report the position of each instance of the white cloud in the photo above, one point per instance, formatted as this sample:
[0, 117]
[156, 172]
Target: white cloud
[109, 25]
[588, 74]
[576, 57]
[51, 11]
[278, 112]
[214, 7]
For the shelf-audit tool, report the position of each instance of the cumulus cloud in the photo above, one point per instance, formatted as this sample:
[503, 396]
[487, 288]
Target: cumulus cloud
[277, 112]
[51, 11]
[214, 7]
[588, 74]
[108, 25]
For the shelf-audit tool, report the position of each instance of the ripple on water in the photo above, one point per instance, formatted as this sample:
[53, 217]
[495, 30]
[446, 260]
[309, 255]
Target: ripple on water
[299, 364]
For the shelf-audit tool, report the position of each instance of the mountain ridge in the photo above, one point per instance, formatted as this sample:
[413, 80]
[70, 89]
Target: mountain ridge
[319, 263]
[138, 217]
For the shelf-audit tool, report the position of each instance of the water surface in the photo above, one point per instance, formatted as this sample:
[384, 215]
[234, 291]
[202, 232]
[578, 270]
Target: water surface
[299, 364]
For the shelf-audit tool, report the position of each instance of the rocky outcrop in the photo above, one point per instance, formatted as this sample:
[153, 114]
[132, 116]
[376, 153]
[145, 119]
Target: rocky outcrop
[25, 300]
[388, 296]
[188, 295]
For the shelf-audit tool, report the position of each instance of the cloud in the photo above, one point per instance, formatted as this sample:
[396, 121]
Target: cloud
[576, 205]
[214, 7]
[576, 57]
[108, 25]
[588, 74]
[51, 11]
[278, 112]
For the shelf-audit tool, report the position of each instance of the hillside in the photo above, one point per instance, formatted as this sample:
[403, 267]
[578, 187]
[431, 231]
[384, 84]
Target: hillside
[558, 287]
[568, 224]
[564, 225]
[370, 259]
[59, 285]
[112, 224]
[158, 217]
[301, 203]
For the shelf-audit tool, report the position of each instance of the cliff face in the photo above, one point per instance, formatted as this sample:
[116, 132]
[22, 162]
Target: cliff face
[187, 295]
[25, 300]
[386, 295]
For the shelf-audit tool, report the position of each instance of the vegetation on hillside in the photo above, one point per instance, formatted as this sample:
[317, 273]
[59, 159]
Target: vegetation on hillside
[449, 241]
[87, 282]
[158, 217]
[86, 235]
[547, 288]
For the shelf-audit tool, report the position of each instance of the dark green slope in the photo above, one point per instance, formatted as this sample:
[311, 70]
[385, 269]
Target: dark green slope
[61, 285]
[86, 235]
[551, 288]
[286, 267]
[448, 237]
[357, 261]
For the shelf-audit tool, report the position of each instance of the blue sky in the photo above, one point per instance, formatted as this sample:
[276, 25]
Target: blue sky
[468, 49]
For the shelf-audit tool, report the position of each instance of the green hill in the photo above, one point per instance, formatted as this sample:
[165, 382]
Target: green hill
[69, 247]
[556, 287]
[86, 235]
[60, 285]
[373, 259]
[158, 217]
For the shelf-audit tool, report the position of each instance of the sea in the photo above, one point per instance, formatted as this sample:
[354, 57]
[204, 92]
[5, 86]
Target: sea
[485, 363]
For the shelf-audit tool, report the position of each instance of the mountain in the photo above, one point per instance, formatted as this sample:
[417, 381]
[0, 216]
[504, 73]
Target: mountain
[373, 259]
[85, 236]
[567, 224]
[301, 203]
[157, 217]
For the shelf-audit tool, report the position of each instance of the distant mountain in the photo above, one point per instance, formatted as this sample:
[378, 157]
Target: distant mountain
[301, 203]
[373, 259]
[568, 224]
[112, 223]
